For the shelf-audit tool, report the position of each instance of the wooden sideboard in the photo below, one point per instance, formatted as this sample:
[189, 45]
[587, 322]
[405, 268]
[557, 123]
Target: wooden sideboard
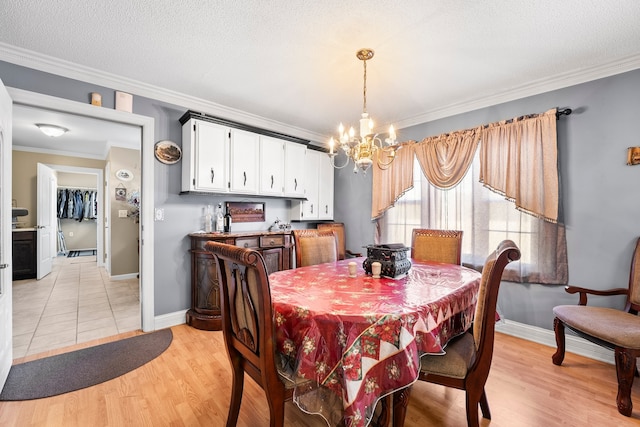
[205, 312]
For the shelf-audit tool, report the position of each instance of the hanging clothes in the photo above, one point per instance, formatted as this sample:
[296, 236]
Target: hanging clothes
[77, 204]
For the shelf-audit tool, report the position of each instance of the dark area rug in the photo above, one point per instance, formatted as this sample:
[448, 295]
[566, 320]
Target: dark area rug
[88, 252]
[79, 369]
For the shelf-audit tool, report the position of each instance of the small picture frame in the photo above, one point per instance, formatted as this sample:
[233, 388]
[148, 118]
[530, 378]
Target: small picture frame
[124, 101]
[121, 194]
[247, 212]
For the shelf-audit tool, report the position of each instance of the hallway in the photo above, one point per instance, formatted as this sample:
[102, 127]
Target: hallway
[76, 303]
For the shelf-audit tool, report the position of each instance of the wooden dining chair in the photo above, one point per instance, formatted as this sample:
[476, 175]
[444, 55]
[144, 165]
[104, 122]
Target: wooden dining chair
[436, 245]
[248, 329]
[467, 361]
[617, 330]
[338, 227]
[315, 246]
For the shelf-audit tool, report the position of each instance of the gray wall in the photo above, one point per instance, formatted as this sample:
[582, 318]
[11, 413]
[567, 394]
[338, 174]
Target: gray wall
[601, 194]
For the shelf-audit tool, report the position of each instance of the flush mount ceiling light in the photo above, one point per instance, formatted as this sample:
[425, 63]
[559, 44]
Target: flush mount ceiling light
[52, 130]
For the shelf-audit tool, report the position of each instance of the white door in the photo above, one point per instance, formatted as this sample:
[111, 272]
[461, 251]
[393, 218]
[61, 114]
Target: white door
[6, 333]
[107, 219]
[46, 183]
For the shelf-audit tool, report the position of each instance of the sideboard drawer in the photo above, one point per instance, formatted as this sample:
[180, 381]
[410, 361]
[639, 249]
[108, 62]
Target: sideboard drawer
[248, 242]
[271, 241]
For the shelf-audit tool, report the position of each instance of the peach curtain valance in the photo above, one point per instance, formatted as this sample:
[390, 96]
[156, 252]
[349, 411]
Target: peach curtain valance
[445, 159]
[518, 159]
[391, 183]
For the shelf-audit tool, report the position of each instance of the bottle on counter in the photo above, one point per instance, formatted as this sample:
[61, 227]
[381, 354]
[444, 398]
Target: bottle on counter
[219, 219]
[207, 219]
[227, 220]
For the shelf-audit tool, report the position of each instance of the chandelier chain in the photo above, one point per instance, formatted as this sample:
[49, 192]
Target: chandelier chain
[364, 89]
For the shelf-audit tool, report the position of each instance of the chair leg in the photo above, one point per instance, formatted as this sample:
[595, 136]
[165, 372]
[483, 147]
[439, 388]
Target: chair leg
[484, 405]
[472, 409]
[236, 393]
[275, 399]
[558, 356]
[625, 370]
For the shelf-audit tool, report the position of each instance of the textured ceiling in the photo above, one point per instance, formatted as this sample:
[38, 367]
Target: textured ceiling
[294, 62]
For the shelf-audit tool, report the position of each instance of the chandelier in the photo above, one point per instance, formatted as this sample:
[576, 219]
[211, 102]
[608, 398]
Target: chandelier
[367, 147]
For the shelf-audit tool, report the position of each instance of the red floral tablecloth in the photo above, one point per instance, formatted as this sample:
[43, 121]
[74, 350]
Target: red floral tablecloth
[360, 338]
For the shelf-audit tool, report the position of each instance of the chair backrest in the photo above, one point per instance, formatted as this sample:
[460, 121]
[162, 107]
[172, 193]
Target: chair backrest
[484, 322]
[247, 318]
[314, 246]
[436, 245]
[338, 227]
[634, 278]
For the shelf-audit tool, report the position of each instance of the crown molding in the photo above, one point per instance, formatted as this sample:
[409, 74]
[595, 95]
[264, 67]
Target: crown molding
[49, 64]
[537, 87]
[60, 67]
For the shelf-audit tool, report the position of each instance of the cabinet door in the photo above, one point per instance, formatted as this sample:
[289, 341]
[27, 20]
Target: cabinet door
[211, 157]
[272, 259]
[310, 206]
[294, 158]
[271, 166]
[325, 188]
[245, 149]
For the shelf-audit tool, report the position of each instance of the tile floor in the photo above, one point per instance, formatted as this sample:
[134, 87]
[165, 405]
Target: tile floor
[76, 302]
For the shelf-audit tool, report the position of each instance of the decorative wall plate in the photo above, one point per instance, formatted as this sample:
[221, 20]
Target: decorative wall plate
[167, 152]
[124, 175]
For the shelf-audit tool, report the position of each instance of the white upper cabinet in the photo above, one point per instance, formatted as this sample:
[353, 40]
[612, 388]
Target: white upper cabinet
[220, 156]
[325, 187]
[271, 166]
[205, 149]
[318, 182]
[245, 151]
[294, 166]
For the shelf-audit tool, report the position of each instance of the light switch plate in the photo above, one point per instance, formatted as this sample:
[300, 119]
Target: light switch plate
[122, 213]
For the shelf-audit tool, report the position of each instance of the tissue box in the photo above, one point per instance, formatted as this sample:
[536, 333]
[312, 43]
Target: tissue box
[392, 257]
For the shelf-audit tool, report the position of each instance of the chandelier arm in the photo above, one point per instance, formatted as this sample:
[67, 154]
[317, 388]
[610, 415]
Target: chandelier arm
[392, 157]
[333, 162]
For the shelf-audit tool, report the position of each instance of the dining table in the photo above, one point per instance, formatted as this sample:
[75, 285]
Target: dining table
[347, 341]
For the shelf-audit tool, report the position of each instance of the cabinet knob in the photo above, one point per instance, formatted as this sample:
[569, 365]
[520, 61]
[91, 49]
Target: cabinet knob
[271, 181]
[213, 175]
[246, 245]
[272, 242]
[245, 178]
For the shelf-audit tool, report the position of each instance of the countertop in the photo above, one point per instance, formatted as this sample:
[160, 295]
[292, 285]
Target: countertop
[238, 234]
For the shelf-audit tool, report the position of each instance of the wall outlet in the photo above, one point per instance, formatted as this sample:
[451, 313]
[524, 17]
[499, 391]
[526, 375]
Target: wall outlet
[71, 234]
[122, 213]
[159, 214]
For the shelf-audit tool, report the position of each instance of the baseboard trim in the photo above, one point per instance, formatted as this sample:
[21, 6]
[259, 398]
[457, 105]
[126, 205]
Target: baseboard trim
[547, 337]
[170, 319]
[124, 276]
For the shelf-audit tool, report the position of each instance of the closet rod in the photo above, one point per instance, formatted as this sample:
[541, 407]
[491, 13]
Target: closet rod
[62, 187]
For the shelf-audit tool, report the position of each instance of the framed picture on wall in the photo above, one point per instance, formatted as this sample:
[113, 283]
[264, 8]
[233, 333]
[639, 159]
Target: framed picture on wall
[121, 194]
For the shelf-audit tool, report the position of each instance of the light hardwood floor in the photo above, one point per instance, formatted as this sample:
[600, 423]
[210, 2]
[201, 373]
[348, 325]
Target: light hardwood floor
[190, 385]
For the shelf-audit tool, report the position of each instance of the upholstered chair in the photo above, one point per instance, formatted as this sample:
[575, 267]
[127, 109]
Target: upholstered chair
[338, 227]
[314, 246]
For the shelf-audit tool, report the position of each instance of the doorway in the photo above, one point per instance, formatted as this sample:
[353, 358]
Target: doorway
[145, 125]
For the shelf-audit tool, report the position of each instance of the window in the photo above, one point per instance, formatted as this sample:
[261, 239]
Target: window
[485, 217]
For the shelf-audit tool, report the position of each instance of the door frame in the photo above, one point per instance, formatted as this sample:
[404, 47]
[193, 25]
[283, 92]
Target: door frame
[146, 226]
